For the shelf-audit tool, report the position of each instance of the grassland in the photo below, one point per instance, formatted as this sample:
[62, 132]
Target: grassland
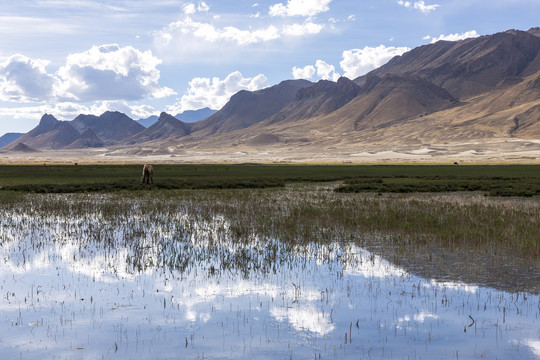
[423, 217]
[497, 180]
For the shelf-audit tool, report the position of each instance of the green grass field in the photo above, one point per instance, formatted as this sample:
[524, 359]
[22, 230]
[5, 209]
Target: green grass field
[497, 180]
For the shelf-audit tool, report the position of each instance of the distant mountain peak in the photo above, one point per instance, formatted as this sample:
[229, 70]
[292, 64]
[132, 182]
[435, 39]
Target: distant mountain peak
[48, 120]
[166, 117]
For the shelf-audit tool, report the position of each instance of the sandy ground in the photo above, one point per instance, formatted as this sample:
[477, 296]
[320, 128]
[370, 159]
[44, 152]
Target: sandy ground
[513, 151]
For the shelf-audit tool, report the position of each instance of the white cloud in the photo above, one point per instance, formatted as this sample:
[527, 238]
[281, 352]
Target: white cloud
[299, 8]
[302, 29]
[357, 62]
[322, 69]
[203, 7]
[453, 37]
[133, 111]
[210, 33]
[69, 110]
[419, 5]
[306, 72]
[106, 72]
[326, 71]
[191, 8]
[25, 79]
[214, 93]
[110, 72]
[189, 28]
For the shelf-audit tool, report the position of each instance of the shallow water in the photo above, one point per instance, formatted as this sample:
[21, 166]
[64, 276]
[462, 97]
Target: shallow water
[89, 287]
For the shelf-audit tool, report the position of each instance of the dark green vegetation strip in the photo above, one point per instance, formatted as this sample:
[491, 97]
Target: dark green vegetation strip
[497, 180]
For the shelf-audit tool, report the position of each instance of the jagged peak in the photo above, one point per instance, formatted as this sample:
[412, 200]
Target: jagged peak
[165, 117]
[48, 119]
[534, 31]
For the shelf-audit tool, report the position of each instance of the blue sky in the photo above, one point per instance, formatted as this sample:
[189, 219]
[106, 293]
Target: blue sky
[141, 57]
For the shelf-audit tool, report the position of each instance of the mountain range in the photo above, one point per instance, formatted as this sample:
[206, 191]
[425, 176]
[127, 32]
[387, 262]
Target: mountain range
[188, 116]
[466, 92]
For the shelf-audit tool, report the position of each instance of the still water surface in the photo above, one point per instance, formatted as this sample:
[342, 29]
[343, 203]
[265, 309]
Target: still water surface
[86, 287]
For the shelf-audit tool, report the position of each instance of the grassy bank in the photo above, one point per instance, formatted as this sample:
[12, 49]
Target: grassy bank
[496, 180]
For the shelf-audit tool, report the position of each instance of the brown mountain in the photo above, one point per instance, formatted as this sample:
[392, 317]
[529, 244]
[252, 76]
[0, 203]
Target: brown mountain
[88, 139]
[112, 126]
[166, 127]
[247, 108]
[469, 92]
[317, 100]
[380, 103]
[471, 66]
[83, 132]
[49, 134]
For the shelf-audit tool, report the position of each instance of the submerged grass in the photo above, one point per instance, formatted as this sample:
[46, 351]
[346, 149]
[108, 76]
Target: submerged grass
[497, 239]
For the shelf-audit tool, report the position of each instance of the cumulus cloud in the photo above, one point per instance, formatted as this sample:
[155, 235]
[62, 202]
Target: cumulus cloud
[25, 79]
[357, 62]
[306, 72]
[106, 72]
[419, 5]
[133, 111]
[453, 37]
[322, 69]
[211, 33]
[299, 8]
[191, 8]
[110, 72]
[69, 110]
[214, 93]
[326, 71]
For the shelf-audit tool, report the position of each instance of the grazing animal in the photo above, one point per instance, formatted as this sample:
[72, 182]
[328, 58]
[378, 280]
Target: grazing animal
[147, 174]
[456, 163]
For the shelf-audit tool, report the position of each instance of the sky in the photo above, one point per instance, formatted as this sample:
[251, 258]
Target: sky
[141, 57]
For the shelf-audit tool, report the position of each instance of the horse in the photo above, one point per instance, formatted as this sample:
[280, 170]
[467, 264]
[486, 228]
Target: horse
[147, 174]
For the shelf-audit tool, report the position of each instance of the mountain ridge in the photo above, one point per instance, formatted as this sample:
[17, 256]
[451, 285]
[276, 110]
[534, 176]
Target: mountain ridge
[465, 91]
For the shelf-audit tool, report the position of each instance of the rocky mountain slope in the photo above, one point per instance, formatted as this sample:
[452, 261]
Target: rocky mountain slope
[463, 92]
[247, 108]
[188, 116]
[112, 126]
[167, 126]
[471, 66]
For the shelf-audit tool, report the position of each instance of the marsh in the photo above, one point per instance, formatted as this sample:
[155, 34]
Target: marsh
[293, 272]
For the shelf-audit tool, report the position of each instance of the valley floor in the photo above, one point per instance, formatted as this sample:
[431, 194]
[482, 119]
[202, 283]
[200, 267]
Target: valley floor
[517, 151]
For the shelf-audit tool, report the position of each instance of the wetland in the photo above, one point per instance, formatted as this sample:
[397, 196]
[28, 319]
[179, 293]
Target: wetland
[288, 269]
